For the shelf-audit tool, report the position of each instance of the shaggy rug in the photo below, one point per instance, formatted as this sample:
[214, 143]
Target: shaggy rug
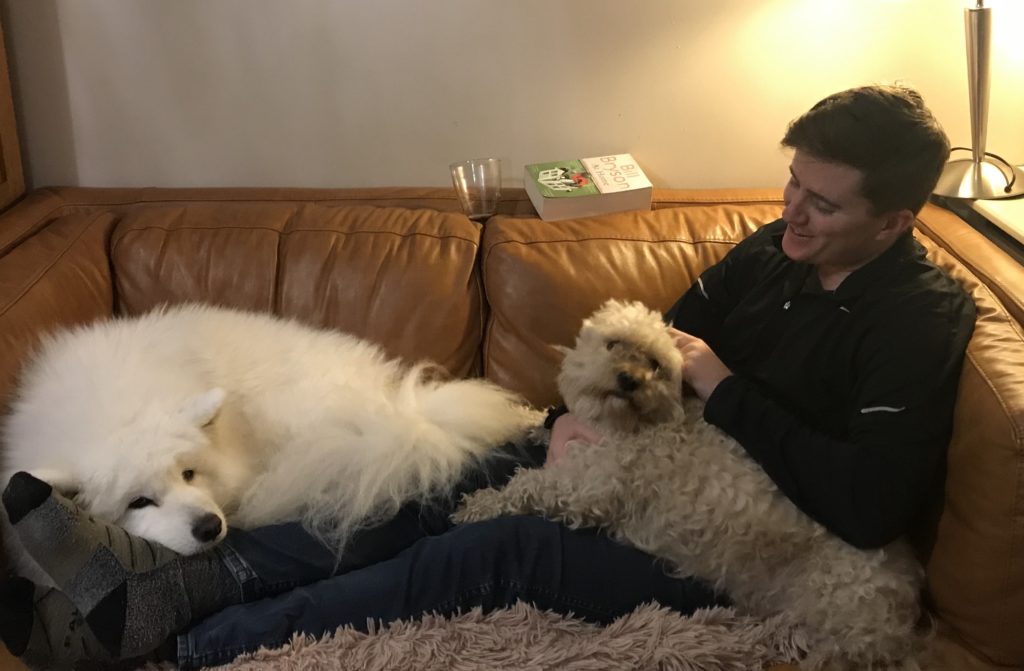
[525, 638]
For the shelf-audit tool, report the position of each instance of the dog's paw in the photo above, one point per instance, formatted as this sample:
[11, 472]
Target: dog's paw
[484, 504]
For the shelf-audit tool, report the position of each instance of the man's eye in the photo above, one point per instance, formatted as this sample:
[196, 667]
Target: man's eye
[141, 502]
[825, 209]
[188, 475]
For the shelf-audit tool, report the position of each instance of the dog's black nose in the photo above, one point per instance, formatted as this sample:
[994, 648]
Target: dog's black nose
[207, 528]
[627, 382]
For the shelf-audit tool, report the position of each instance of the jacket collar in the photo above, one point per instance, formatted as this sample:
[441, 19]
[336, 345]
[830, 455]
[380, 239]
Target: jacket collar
[802, 279]
[882, 268]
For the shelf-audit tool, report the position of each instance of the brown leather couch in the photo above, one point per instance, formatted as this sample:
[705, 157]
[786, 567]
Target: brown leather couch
[405, 268]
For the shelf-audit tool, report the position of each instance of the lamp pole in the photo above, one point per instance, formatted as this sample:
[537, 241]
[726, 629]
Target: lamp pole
[978, 29]
[985, 175]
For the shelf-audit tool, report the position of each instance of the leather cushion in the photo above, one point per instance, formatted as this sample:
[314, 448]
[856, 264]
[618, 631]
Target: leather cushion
[403, 278]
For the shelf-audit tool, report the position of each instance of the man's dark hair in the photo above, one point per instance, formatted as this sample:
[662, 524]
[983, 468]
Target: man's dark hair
[887, 133]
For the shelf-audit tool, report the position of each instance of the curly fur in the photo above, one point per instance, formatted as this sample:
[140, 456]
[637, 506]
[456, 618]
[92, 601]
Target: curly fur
[665, 481]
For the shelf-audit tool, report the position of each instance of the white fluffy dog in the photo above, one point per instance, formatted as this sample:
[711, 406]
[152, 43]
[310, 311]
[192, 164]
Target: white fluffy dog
[665, 481]
[177, 423]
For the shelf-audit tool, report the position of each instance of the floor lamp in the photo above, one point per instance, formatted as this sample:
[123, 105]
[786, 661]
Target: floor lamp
[984, 175]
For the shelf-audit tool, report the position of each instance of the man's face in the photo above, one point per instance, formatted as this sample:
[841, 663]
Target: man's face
[829, 223]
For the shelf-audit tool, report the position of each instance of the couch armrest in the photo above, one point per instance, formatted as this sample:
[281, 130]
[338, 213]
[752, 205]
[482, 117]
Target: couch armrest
[58, 274]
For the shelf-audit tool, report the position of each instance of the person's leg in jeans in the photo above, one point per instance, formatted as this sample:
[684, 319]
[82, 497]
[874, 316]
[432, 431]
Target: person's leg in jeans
[121, 596]
[274, 559]
[490, 564]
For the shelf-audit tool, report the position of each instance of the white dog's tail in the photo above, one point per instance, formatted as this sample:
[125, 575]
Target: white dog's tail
[359, 473]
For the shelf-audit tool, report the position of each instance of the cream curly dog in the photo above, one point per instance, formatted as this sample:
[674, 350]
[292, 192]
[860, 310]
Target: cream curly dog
[665, 481]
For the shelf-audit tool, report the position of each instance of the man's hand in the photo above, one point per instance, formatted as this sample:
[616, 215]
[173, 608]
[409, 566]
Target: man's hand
[569, 427]
[702, 369]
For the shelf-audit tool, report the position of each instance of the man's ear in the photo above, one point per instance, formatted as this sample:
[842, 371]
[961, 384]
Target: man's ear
[896, 224]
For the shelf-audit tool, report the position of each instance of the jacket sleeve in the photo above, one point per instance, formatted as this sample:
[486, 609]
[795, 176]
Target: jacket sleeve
[704, 307]
[868, 486]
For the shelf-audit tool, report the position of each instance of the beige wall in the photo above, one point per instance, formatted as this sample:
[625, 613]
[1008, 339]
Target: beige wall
[388, 92]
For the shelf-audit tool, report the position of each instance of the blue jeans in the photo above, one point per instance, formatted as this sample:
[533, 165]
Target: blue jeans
[420, 563]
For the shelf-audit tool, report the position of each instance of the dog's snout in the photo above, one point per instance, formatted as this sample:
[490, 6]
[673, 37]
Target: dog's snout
[627, 382]
[207, 528]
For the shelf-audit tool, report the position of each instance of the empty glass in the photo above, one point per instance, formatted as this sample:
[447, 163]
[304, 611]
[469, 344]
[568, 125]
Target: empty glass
[478, 185]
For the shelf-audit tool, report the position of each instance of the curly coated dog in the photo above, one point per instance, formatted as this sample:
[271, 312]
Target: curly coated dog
[665, 481]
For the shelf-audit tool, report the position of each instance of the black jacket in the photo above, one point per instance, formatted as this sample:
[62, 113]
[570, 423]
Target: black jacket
[845, 398]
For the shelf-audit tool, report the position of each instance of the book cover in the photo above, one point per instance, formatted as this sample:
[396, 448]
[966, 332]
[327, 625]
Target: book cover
[587, 187]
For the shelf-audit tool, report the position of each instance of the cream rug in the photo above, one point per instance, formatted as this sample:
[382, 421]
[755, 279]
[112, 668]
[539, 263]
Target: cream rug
[525, 638]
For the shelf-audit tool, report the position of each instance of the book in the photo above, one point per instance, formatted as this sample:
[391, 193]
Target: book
[587, 187]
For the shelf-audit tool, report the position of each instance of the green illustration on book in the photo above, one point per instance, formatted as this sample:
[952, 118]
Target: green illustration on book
[587, 187]
[562, 179]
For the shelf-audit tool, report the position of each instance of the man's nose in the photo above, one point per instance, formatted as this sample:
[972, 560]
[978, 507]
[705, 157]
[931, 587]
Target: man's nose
[795, 209]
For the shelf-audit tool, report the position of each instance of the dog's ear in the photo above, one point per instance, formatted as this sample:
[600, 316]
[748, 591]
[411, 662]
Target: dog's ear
[202, 408]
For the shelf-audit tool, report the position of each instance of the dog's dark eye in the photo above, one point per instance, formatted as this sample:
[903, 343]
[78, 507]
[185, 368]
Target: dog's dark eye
[188, 475]
[141, 502]
[612, 343]
[655, 364]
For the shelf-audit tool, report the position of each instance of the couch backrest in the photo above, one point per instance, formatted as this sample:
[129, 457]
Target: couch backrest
[542, 278]
[405, 278]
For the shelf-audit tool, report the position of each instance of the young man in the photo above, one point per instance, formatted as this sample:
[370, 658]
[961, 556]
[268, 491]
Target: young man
[846, 341]
[825, 343]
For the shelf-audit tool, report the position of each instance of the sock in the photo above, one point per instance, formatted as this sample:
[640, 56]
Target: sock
[132, 593]
[43, 628]
[63, 539]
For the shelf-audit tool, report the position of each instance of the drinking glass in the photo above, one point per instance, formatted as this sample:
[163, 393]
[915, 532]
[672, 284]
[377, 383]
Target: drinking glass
[478, 185]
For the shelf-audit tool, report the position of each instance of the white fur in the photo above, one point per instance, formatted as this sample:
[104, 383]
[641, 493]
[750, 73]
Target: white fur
[272, 420]
[665, 481]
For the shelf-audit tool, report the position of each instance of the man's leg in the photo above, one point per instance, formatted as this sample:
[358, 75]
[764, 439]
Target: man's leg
[490, 564]
[114, 588]
[132, 594]
[274, 559]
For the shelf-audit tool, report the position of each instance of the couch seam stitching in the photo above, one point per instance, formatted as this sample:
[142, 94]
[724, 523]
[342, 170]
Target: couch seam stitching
[129, 230]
